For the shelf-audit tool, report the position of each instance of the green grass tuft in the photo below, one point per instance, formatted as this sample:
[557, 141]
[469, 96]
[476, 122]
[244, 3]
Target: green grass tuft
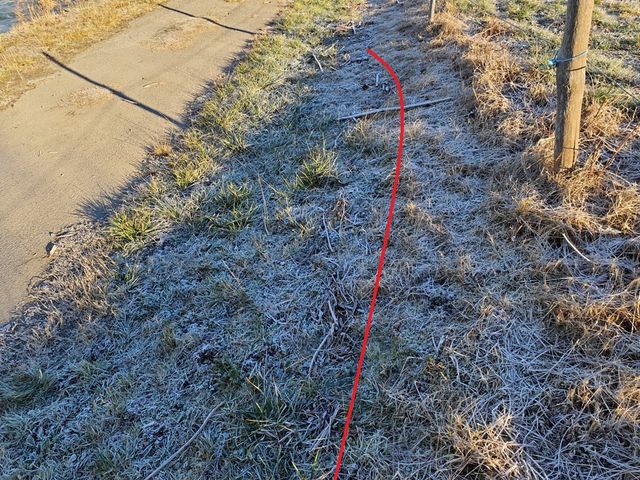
[131, 227]
[317, 170]
[479, 7]
[233, 195]
[522, 9]
[188, 170]
[231, 209]
[231, 293]
[26, 387]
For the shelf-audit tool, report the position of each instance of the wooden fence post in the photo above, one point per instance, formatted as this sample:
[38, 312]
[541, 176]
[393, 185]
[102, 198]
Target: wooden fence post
[432, 10]
[571, 65]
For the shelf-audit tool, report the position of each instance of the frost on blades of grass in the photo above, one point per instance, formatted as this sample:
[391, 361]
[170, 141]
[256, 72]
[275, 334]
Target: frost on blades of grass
[318, 169]
[241, 272]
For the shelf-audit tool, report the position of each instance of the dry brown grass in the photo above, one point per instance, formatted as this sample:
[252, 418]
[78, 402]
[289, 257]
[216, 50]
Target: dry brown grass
[486, 449]
[162, 149]
[585, 204]
[579, 229]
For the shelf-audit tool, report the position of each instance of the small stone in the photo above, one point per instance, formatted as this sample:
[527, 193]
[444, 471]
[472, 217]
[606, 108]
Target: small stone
[51, 248]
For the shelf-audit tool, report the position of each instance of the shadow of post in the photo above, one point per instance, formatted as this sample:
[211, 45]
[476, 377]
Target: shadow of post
[210, 20]
[121, 95]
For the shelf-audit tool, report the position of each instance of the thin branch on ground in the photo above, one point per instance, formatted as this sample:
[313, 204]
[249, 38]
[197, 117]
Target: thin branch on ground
[426, 103]
[318, 62]
[186, 445]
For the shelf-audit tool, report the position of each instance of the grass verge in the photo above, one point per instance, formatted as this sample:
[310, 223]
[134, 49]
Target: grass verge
[206, 188]
[591, 209]
[250, 291]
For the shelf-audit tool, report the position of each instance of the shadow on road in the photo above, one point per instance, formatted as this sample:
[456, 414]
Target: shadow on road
[121, 95]
[210, 20]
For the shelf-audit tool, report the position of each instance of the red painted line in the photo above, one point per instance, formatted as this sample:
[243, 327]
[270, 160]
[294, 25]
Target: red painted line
[367, 328]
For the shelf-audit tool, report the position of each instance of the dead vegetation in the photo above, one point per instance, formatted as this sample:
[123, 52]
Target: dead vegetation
[505, 338]
[593, 207]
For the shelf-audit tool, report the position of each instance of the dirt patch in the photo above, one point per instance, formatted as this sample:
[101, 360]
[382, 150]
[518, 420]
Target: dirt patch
[86, 97]
[176, 37]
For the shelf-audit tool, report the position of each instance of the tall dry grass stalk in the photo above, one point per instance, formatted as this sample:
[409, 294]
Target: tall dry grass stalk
[29, 10]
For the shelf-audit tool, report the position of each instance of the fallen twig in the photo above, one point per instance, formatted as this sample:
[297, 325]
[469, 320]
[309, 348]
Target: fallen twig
[325, 339]
[326, 431]
[184, 447]
[235, 277]
[426, 103]
[318, 62]
[319, 349]
[576, 248]
[326, 232]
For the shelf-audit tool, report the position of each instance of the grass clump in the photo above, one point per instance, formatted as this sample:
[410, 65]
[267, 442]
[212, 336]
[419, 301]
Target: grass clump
[234, 220]
[229, 208]
[168, 340]
[26, 387]
[522, 10]
[88, 371]
[187, 170]
[131, 228]
[317, 170]
[488, 449]
[364, 138]
[226, 374]
[193, 162]
[268, 417]
[233, 195]
[481, 7]
[162, 149]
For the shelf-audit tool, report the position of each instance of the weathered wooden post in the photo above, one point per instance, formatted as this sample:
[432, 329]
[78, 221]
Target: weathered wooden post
[432, 10]
[571, 65]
